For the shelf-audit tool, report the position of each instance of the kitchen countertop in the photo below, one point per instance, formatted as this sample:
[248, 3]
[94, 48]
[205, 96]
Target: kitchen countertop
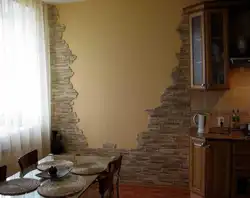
[234, 135]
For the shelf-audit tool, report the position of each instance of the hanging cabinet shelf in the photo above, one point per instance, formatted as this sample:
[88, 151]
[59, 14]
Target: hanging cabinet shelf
[209, 58]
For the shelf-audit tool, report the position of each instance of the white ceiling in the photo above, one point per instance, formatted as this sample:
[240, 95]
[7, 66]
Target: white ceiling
[61, 1]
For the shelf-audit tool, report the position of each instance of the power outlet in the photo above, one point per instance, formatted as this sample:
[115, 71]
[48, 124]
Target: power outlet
[219, 120]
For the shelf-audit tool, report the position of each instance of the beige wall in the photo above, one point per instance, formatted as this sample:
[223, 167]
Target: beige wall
[126, 51]
[237, 97]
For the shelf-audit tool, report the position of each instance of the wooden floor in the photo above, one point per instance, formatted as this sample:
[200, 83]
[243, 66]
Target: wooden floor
[136, 191]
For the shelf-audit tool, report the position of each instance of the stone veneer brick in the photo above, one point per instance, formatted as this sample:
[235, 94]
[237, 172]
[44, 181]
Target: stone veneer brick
[63, 93]
[161, 156]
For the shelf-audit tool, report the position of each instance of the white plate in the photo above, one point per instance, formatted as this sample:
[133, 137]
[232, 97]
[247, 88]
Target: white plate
[57, 163]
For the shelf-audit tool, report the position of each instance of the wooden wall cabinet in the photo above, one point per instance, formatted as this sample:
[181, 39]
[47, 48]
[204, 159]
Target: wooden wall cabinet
[209, 58]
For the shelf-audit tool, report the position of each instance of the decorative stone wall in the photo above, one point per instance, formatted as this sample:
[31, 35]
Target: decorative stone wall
[161, 156]
[63, 93]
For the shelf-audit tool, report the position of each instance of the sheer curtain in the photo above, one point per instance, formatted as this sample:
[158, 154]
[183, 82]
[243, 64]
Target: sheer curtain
[24, 79]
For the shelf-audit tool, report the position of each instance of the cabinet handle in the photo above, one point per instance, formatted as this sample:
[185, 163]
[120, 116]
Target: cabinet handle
[206, 146]
[199, 145]
[202, 145]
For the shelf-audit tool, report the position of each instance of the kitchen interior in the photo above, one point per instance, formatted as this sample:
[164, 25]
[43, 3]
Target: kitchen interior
[219, 157]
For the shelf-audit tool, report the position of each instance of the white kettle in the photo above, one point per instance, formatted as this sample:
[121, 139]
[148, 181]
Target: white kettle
[200, 122]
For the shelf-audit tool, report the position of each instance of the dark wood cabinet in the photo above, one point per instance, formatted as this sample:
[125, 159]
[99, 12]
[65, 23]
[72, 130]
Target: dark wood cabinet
[219, 40]
[219, 168]
[197, 52]
[210, 165]
[240, 181]
[209, 59]
[239, 35]
[197, 166]
[217, 58]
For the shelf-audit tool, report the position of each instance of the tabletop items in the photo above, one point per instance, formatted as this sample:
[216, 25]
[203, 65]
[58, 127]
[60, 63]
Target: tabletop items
[64, 175]
[88, 168]
[66, 186]
[52, 174]
[57, 146]
[52, 171]
[19, 186]
[56, 163]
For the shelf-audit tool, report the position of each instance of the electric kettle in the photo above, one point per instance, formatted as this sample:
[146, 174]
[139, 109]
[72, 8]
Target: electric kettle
[200, 122]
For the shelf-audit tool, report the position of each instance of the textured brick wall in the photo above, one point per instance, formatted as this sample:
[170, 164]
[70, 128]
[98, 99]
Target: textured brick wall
[161, 156]
[63, 93]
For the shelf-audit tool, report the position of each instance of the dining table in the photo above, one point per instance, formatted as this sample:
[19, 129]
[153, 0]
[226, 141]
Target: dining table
[76, 159]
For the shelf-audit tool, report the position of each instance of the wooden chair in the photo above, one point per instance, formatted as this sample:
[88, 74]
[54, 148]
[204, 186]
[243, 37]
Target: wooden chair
[106, 184]
[106, 178]
[3, 173]
[115, 168]
[28, 162]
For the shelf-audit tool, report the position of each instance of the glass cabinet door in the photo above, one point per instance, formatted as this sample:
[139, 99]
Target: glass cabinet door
[197, 50]
[217, 51]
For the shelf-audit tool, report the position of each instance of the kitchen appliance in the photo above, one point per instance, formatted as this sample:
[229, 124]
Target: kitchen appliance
[200, 122]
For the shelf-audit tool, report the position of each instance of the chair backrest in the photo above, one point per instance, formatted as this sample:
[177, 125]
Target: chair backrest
[115, 165]
[3, 173]
[106, 183]
[28, 160]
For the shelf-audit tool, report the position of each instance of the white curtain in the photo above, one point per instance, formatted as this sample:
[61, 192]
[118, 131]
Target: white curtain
[24, 80]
